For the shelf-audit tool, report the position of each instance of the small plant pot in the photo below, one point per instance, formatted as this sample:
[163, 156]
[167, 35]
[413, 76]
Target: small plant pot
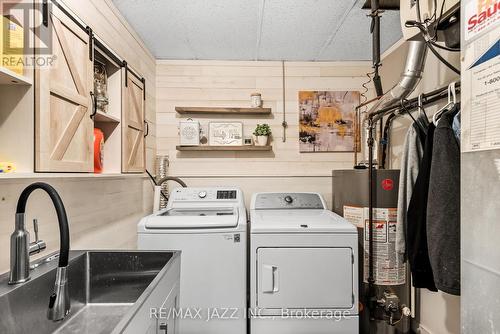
[261, 140]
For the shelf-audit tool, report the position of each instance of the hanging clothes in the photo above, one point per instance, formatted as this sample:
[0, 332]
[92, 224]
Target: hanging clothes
[413, 151]
[416, 230]
[457, 126]
[443, 209]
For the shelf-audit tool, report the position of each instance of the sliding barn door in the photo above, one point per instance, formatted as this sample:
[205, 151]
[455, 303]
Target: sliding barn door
[63, 127]
[133, 146]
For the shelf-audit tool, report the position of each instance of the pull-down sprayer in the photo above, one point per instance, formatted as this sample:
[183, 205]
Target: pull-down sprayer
[59, 302]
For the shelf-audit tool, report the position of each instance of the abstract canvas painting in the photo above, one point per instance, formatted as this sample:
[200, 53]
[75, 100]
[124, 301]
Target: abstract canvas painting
[327, 121]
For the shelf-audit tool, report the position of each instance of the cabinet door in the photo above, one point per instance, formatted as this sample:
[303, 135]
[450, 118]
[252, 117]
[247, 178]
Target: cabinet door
[63, 127]
[133, 144]
[168, 325]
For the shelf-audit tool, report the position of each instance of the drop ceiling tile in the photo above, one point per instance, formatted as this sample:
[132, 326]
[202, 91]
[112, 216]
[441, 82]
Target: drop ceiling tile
[160, 24]
[222, 29]
[354, 41]
[391, 27]
[297, 29]
[257, 29]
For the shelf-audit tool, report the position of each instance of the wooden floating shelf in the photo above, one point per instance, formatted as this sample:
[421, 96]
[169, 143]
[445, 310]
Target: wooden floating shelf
[8, 77]
[225, 148]
[30, 175]
[224, 110]
[105, 118]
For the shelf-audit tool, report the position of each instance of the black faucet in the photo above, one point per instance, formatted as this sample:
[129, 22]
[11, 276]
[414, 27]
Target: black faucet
[59, 302]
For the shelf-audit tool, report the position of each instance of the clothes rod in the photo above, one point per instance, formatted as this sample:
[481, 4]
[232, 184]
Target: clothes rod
[427, 98]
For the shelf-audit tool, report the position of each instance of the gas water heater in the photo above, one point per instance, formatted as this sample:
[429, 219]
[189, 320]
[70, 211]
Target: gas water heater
[386, 309]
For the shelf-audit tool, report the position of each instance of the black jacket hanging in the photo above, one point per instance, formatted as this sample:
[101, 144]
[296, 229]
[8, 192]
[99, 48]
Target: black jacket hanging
[416, 232]
[443, 209]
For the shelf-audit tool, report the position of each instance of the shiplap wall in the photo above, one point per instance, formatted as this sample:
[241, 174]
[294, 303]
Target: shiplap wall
[107, 22]
[229, 84]
[103, 212]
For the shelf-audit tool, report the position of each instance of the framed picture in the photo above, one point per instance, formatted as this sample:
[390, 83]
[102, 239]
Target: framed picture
[328, 121]
[225, 133]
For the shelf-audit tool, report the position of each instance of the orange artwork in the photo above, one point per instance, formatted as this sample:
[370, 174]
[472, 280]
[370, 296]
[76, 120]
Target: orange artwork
[327, 121]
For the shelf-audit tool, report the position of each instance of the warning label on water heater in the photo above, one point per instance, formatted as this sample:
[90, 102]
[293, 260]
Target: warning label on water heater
[388, 266]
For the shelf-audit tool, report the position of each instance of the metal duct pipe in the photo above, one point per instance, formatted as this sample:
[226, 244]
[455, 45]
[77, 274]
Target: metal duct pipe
[414, 68]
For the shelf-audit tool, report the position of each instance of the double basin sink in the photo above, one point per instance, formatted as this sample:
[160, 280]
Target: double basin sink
[107, 289]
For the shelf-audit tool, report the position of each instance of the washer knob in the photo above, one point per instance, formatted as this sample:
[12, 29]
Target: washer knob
[288, 199]
[202, 194]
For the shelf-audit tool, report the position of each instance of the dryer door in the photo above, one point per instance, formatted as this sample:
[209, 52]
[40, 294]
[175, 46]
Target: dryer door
[311, 278]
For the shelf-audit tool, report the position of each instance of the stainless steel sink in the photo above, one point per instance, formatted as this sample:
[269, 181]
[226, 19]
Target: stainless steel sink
[104, 286]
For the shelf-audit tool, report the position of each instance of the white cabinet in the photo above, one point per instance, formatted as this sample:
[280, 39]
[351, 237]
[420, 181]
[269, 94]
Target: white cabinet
[168, 325]
[156, 314]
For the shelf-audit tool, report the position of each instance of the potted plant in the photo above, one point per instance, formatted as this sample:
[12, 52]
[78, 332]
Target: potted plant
[262, 133]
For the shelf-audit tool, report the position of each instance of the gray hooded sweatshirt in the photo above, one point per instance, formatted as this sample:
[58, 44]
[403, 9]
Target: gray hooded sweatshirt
[413, 151]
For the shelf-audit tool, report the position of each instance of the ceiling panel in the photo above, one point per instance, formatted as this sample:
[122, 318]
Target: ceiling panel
[163, 32]
[222, 28]
[257, 29]
[353, 40]
[299, 28]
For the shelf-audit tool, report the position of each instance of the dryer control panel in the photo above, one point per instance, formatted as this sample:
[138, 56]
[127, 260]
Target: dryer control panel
[276, 201]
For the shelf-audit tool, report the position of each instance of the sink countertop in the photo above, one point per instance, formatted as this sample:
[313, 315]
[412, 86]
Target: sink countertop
[114, 293]
[43, 266]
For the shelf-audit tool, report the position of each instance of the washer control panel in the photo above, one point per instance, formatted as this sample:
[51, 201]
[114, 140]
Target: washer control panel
[200, 194]
[276, 201]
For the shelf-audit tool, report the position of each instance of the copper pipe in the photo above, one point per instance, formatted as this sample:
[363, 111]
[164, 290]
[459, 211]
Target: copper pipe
[368, 102]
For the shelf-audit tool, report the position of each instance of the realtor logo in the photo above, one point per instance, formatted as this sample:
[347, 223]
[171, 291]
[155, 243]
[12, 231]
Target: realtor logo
[22, 41]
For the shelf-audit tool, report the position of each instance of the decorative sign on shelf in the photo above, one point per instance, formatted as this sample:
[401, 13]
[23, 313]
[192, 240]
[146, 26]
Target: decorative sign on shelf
[189, 131]
[327, 121]
[225, 133]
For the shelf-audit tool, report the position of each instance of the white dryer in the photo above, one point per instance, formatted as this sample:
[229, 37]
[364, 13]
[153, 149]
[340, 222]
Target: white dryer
[209, 226]
[303, 267]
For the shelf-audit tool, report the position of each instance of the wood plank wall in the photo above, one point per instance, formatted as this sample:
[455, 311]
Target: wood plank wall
[107, 22]
[103, 212]
[229, 84]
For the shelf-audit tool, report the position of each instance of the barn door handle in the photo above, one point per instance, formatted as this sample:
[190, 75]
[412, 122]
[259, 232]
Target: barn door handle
[45, 13]
[146, 125]
[94, 104]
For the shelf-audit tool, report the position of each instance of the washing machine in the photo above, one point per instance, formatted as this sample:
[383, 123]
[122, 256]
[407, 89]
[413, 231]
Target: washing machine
[209, 227]
[303, 266]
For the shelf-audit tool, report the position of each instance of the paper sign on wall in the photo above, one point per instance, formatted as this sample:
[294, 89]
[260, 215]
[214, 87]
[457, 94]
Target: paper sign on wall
[481, 16]
[483, 122]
